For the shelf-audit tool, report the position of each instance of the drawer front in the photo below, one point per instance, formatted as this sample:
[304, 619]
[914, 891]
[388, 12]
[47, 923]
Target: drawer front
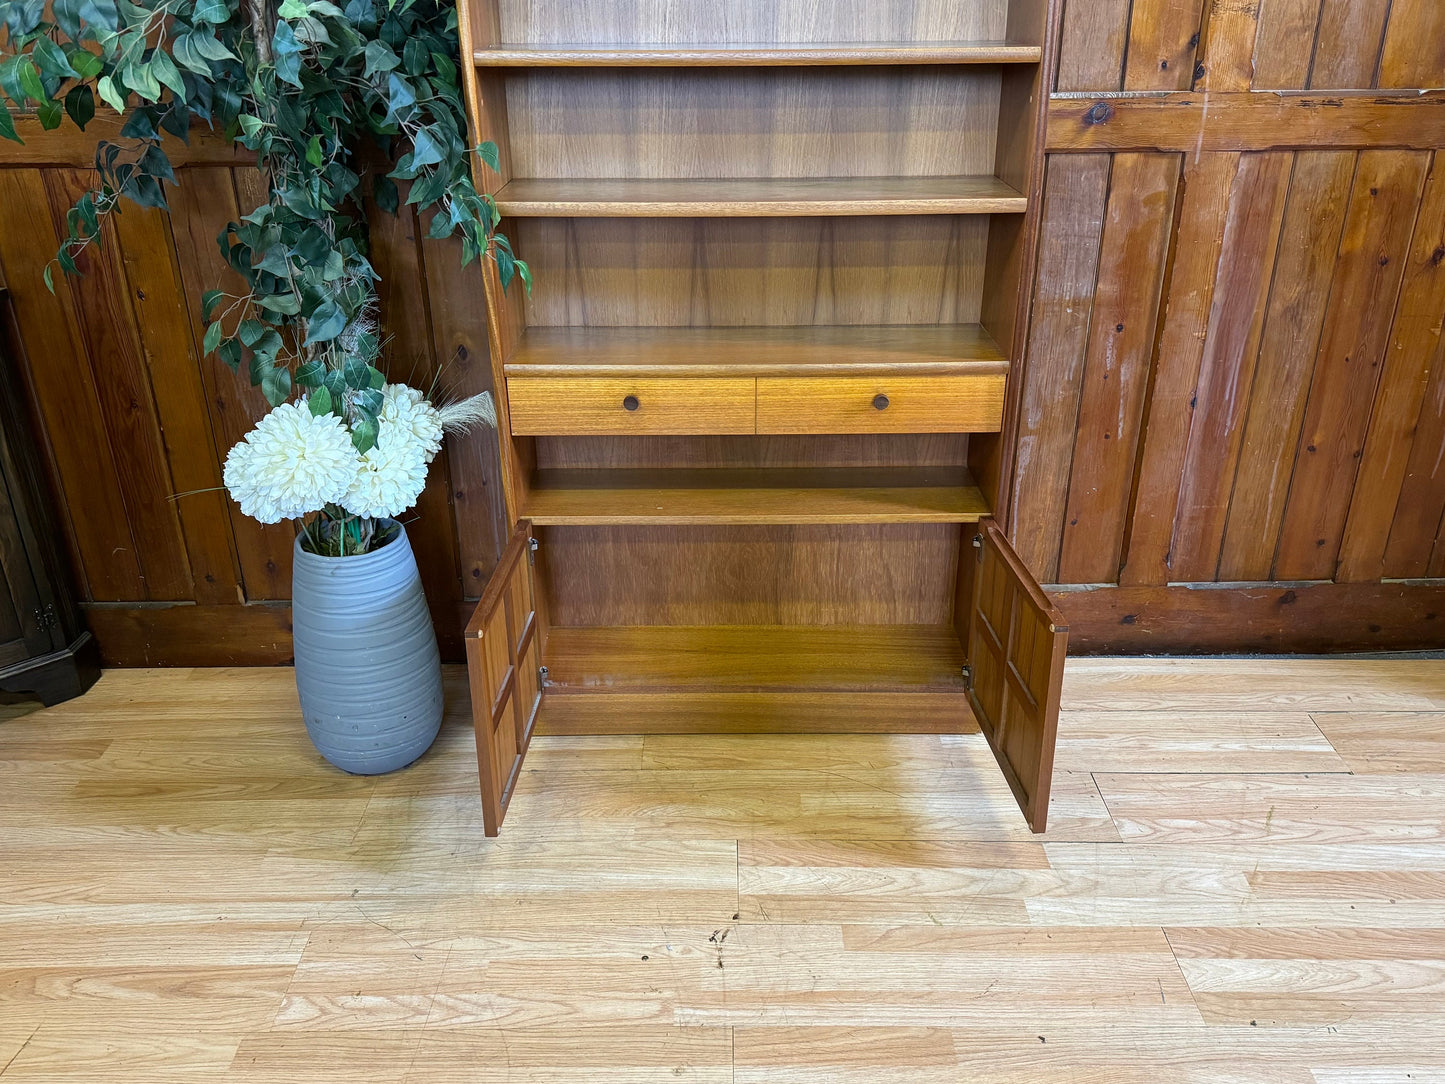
[881, 404]
[623, 406]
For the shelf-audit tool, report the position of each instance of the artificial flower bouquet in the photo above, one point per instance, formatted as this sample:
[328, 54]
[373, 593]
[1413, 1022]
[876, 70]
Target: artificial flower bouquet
[301, 460]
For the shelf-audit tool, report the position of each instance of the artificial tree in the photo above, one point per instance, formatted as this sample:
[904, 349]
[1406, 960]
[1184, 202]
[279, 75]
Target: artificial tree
[329, 97]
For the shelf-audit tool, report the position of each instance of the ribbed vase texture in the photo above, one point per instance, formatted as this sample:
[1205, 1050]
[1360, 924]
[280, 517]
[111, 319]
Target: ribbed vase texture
[367, 666]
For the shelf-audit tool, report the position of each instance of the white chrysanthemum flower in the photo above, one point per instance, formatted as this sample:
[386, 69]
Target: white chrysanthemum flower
[392, 473]
[406, 408]
[292, 463]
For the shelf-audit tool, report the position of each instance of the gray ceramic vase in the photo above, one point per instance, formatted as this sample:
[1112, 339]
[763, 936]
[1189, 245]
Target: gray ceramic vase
[367, 666]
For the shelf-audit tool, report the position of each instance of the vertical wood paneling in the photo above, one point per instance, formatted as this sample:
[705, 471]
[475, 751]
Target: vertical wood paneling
[454, 297]
[1422, 493]
[100, 533]
[123, 390]
[201, 208]
[1309, 241]
[1347, 47]
[1368, 272]
[1068, 262]
[1189, 293]
[1137, 223]
[1414, 350]
[1227, 49]
[1414, 52]
[1163, 36]
[1091, 54]
[1284, 45]
[173, 362]
[1231, 352]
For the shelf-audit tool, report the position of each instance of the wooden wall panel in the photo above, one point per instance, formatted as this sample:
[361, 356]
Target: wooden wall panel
[1209, 304]
[1284, 417]
[137, 423]
[1122, 333]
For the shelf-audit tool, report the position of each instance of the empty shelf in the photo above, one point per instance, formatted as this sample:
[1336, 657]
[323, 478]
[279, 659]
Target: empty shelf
[764, 658]
[538, 197]
[757, 351]
[783, 495]
[762, 54]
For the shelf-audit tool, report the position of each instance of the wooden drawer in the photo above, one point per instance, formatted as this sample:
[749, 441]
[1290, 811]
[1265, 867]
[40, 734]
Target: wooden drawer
[880, 404]
[622, 406]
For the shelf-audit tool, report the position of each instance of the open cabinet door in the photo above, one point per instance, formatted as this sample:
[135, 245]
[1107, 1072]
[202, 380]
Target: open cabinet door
[504, 660]
[1016, 646]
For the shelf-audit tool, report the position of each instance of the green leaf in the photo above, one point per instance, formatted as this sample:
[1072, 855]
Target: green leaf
[141, 79]
[206, 44]
[490, 155]
[213, 337]
[286, 304]
[250, 331]
[250, 124]
[292, 9]
[52, 59]
[215, 12]
[100, 13]
[7, 126]
[50, 115]
[399, 94]
[276, 385]
[320, 400]
[287, 51]
[113, 95]
[363, 433]
[80, 104]
[165, 70]
[426, 150]
[183, 48]
[209, 300]
[416, 56]
[309, 374]
[376, 378]
[356, 373]
[86, 63]
[230, 353]
[525, 274]
[313, 151]
[49, 279]
[327, 322]
[30, 81]
[67, 15]
[379, 58]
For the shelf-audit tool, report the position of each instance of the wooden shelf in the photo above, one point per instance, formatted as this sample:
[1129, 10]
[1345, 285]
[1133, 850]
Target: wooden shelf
[781, 496]
[951, 349]
[538, 197]
[763, 54]
[763, 658]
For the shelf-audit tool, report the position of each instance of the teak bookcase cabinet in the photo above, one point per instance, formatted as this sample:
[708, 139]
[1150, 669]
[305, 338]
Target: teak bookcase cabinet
[751, 417]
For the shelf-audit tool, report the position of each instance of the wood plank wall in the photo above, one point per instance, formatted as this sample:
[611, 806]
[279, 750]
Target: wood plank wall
[1232, 426]
[1233, 416]
[137, 423]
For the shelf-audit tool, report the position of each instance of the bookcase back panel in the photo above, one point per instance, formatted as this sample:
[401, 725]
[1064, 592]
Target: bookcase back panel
[893, 574]
[731, 272]
[695, 22]
[753, 122]
[904, 450]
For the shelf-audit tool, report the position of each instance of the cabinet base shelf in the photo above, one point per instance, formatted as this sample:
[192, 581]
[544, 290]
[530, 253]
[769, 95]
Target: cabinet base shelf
[574, 498]
[763, 54]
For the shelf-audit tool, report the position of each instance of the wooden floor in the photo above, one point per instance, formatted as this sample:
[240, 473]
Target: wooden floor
[1244, 880]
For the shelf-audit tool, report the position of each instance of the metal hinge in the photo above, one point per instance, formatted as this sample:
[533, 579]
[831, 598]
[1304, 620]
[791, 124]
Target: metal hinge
[532, 546]
[967, 675]
[46, 617]
[542, 673]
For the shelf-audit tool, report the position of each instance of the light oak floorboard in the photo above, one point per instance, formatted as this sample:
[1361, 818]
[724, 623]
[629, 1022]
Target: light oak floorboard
[1243, 881]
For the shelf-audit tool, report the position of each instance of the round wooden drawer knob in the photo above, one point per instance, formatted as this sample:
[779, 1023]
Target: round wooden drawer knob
[630, 403]
[880, 402]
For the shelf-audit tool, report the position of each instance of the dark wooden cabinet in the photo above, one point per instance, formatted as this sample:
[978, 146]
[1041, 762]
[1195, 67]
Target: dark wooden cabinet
[45, 649]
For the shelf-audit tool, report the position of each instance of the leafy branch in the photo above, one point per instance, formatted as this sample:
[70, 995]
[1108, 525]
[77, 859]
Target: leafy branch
[321, 92]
